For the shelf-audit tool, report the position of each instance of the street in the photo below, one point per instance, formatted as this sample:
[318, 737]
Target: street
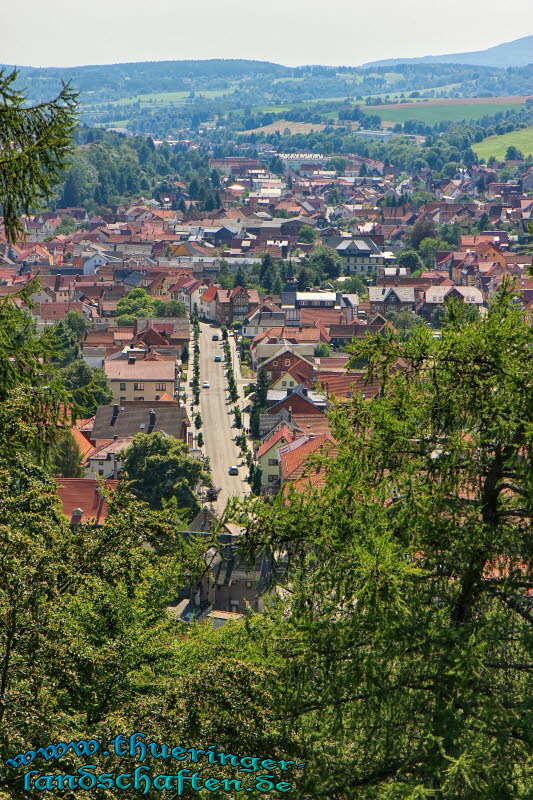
[218, 419]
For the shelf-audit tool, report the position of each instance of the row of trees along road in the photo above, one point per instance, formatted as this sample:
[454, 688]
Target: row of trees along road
[395, 661]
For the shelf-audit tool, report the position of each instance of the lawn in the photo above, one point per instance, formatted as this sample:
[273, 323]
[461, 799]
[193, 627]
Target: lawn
[497, 145]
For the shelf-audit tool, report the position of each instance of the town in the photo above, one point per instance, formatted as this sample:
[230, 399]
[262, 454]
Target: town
[284, 276]
[266, 424]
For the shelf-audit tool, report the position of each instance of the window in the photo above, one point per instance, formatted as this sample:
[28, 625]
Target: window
[122, 399]
[348, 394]
[272, 478]
[291, 383]
[283, 383]
[161, 387]
[272, 462]
[249, 584]
[139, 398]
[157, 396]
[138, 387]
[287, 362]
[100, 471]
[122, 387]
[275, 363]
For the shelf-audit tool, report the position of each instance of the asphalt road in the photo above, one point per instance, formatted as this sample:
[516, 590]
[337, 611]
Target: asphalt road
[218, 419]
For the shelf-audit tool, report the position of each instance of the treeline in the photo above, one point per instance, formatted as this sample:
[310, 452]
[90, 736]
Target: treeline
[109, 168]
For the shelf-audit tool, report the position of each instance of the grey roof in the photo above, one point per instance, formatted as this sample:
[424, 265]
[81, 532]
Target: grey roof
[268, 422]
[361, 244]
[134, 279]
[377, 294]
[271, 318]
[168, 419]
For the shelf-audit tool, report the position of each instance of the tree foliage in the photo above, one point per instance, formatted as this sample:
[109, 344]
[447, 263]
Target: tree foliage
[35, 146]
[159, 469]
[404, 638]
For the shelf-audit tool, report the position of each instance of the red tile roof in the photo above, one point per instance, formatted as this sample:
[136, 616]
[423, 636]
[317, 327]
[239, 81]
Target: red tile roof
[293, 456]
[84, 494]
[282, 433]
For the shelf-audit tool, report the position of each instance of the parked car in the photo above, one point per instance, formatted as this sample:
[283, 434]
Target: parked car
[218, 359]
[214, 337]
[205, 385]
[233, 470]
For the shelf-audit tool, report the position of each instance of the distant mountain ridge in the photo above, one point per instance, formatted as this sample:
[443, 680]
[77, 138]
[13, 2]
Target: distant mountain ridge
[517, 53]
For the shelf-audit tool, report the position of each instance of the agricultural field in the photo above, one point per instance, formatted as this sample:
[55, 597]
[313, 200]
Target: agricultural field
[497, 145]
[294, 127]
[438, 110]
[165, 98]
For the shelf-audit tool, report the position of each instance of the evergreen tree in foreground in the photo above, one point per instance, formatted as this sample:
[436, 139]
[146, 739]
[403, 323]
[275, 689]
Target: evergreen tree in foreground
[403, 630]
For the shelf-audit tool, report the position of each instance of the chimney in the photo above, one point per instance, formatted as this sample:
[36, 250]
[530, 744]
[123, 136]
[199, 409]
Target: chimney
[57, 282]
[114, 416]
[290, 413]
[77, 514]
[115, 437]
[151, 424]
[304, 391]
[289, 392]
[131, 359]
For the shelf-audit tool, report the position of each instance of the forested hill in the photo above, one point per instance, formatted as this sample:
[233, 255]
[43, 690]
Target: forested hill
[241, 83]
[145, 76]
[517, 53]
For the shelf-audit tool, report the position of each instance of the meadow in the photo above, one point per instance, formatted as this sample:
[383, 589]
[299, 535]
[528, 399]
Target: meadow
[454, 109]
[497, 145]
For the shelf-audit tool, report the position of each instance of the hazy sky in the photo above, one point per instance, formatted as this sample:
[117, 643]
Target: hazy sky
[291, 32]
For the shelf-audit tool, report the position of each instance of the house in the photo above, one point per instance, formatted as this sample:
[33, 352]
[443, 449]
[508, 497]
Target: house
[361, 256]
[266, 455]
[140, 376]
[284, 360]
[438, 295]
[234, 304]
[118, 422]
[293, 457]
[386, 298]
[82, 499]
[229, 585]
[300, 401]
[274, 396]
[105, 461]
[261, 321]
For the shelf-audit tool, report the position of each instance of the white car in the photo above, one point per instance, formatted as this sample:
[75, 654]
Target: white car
[205, 385]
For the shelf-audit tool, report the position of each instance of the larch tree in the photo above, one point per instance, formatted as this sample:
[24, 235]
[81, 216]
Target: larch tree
[35, 149]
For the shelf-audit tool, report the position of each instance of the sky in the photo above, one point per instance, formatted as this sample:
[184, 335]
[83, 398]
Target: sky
[290, 32]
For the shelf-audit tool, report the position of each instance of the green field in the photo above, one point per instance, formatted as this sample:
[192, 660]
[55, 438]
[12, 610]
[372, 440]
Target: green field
[431, 113]
[497, 145]
[165, 98]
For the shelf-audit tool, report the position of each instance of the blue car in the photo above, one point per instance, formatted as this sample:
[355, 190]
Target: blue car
[218, 359]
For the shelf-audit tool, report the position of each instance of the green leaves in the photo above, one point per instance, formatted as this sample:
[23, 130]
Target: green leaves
[35, 147]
